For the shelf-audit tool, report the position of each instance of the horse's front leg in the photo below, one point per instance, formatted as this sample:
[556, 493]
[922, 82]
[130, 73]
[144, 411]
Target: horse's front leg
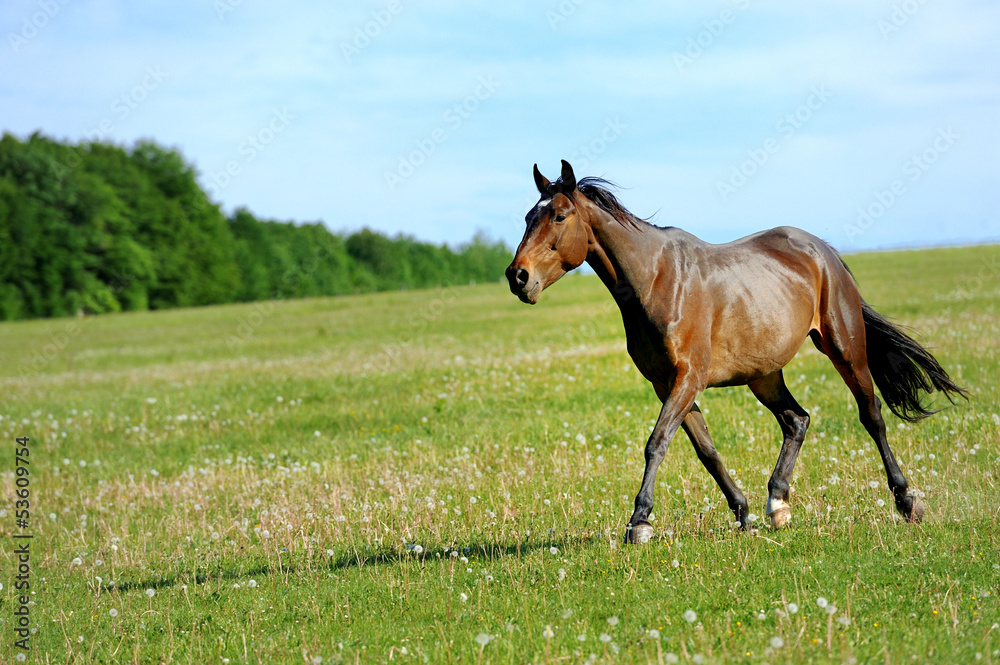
[675, 407]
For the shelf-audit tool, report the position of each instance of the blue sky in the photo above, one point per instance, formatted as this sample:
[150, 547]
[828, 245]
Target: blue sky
[870, 123]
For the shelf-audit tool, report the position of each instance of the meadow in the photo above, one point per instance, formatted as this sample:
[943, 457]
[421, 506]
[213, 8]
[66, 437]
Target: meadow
[444, 476]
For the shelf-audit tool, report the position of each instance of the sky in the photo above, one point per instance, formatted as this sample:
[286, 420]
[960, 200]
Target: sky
[870, 123]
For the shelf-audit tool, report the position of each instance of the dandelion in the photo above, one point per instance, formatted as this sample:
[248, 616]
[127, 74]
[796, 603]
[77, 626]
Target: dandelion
[553, 550]
[654, 634]
[671, 657]
[844, 620]
[582, 637]
[777, 642]
[690, 616]
[612, 621]
[562, 574]
[77, 562]
[831, 610]
[317, 433]
[482, 639]
[463, 597]
[792, 608]
[150, 592]
[547, 633]
[822, 602]
[605, 638]
[675, 563]
[113, 612]
[329, 552]
[454, 554]
[761, 616]
[567, 613]
[252, 584]
[418, 549]
[880, 503]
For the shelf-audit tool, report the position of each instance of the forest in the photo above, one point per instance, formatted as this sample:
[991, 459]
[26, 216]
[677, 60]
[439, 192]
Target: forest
[91, 228]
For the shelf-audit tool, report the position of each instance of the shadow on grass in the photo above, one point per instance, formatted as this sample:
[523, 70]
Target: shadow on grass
[482, 551]
[189, 578]
[361, 557]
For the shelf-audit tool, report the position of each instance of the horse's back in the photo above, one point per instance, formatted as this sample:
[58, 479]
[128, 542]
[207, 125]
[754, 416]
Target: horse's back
[767, 292]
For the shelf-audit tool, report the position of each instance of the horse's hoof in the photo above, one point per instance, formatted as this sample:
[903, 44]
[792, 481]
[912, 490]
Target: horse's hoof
[916, 511]
[779, 512]
[640, 534]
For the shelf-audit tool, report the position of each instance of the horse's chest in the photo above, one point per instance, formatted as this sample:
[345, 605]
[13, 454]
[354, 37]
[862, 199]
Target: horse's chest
[649, 351]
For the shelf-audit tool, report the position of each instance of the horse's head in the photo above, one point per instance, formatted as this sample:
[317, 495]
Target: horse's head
[555, 241]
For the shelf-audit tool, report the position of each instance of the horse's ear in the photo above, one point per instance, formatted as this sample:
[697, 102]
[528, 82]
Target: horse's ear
[568, 179]
[542, 183]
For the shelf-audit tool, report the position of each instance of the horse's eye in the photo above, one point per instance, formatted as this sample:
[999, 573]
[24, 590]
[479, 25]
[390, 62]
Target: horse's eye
[559, 218]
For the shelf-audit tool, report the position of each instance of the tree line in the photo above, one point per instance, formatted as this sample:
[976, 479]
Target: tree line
[95, 227]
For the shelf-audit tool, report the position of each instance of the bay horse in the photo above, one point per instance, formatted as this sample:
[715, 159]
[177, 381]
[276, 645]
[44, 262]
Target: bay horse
[699, 315]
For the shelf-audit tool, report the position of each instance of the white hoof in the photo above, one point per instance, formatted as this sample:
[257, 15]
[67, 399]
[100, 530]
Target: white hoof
[641, 533]
[779, 512]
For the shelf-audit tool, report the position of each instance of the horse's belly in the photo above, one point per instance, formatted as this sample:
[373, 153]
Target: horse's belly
[741, 356]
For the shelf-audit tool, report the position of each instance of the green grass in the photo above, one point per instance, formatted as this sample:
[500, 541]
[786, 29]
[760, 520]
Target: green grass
[388, 477]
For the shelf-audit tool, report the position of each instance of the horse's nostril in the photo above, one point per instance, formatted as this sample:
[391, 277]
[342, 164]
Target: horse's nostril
[521, 276]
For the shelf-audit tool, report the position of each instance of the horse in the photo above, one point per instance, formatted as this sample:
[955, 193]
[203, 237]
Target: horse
[699, 315]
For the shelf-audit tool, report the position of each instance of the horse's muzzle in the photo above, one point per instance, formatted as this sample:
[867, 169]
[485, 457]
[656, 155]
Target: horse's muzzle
[522, 285]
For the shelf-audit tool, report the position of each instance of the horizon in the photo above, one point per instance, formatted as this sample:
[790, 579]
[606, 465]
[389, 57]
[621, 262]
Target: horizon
[861, 123]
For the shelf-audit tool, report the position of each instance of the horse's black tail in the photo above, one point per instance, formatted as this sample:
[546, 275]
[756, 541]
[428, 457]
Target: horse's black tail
[902, 368]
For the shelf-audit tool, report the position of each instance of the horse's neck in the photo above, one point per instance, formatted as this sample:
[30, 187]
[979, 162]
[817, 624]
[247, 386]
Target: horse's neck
[622, 257]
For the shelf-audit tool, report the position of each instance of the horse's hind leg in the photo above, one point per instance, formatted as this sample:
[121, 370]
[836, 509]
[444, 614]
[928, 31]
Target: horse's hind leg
[696, 429]
[846, 349]
[793, 419]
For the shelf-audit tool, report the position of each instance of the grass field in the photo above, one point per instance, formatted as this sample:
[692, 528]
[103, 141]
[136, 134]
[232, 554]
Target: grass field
[444, 476]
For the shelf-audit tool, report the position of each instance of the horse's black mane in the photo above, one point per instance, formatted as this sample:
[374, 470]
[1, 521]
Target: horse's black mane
[598, 190]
